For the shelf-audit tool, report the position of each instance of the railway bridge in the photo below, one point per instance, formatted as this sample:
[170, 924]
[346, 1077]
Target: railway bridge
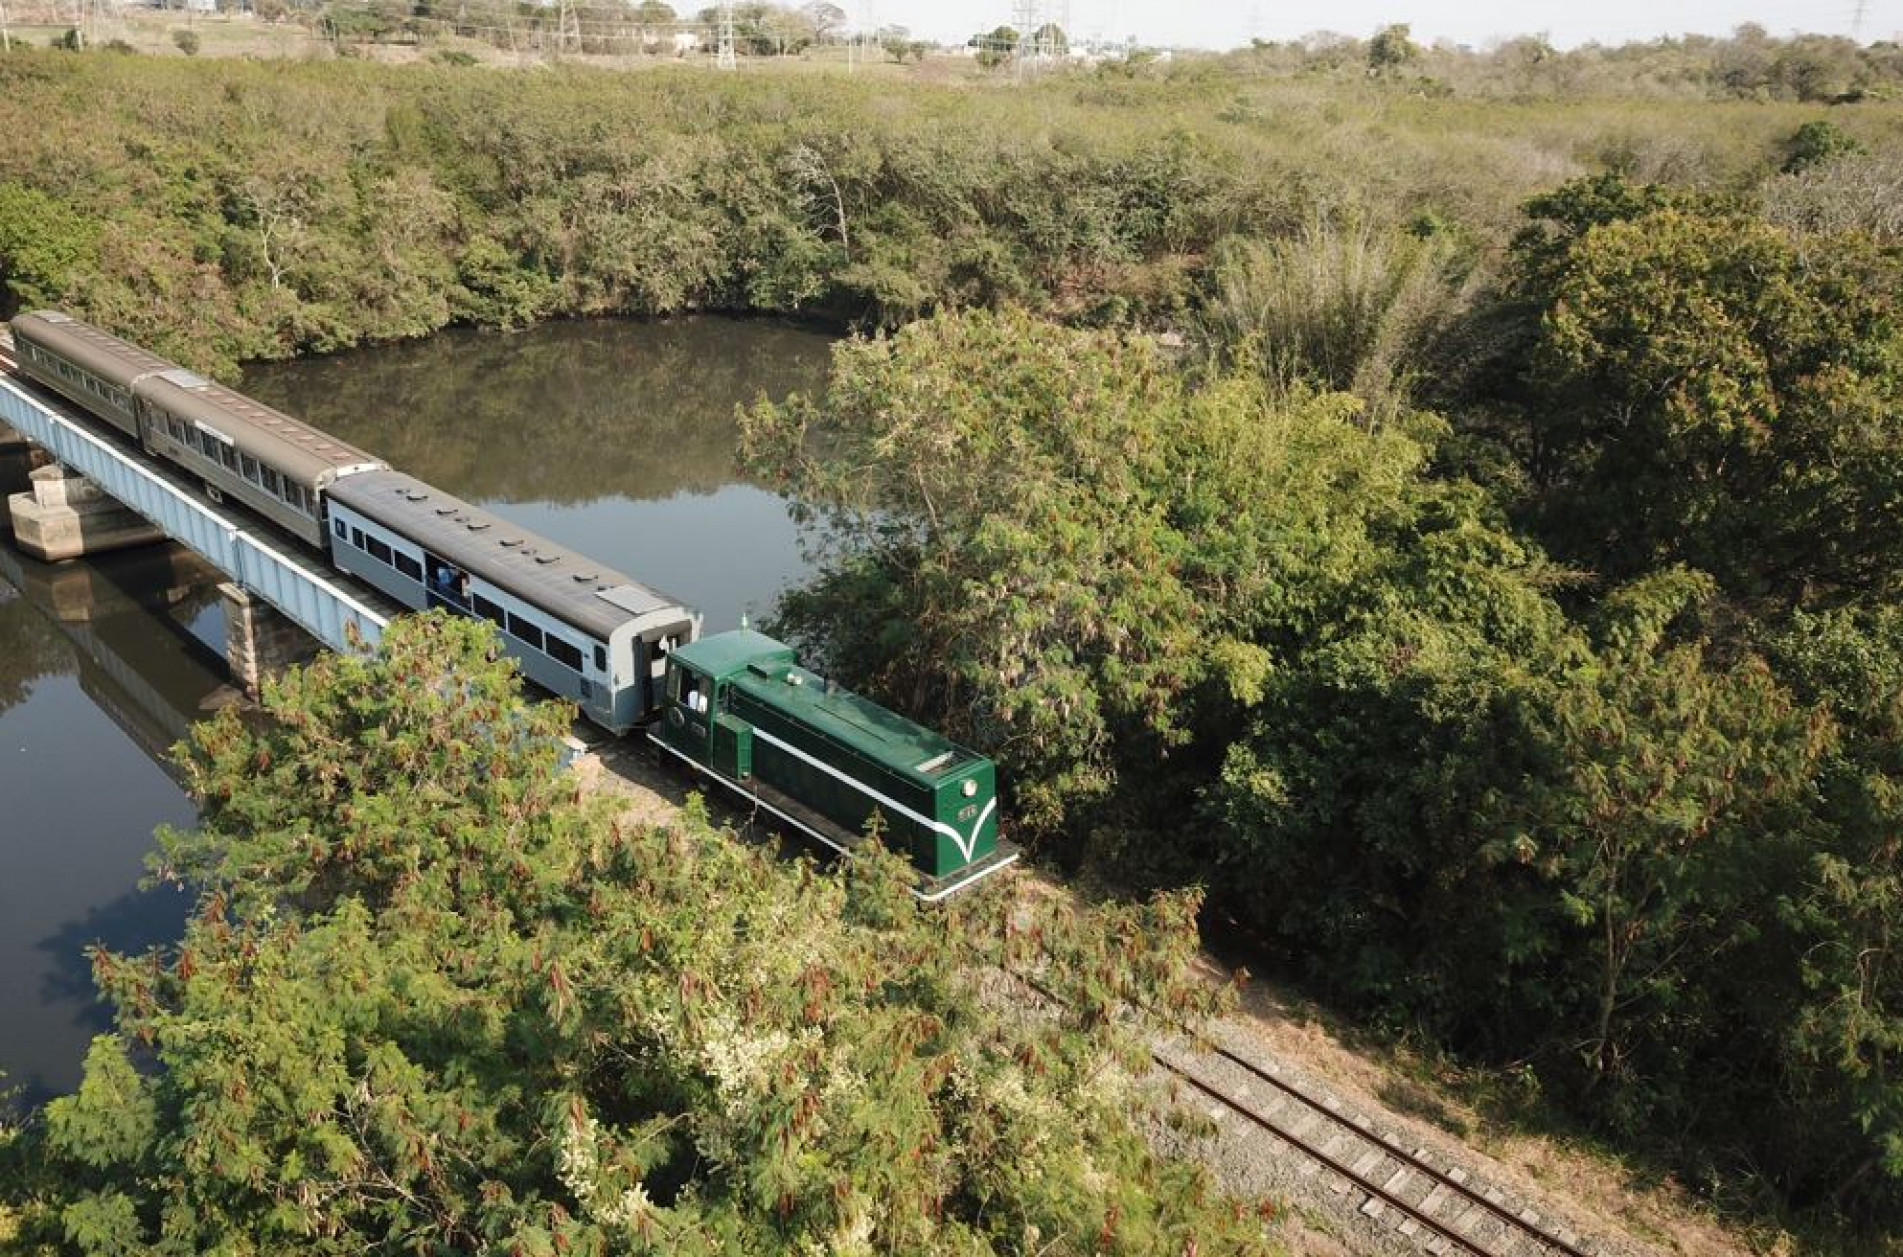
[98, 494]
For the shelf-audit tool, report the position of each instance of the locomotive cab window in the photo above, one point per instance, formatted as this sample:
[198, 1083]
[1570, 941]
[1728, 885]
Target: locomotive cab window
[689, 689]
[601, 657]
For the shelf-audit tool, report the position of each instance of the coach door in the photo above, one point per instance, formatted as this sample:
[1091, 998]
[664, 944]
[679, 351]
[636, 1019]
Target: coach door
[690, 701]
[447, 584]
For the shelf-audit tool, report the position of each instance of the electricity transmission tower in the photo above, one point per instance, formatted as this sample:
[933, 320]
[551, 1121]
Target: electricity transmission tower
[1856, 23]
[1026, 15]
[725, 59]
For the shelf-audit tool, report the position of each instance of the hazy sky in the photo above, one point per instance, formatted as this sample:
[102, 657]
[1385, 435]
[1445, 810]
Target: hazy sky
[1227, 23]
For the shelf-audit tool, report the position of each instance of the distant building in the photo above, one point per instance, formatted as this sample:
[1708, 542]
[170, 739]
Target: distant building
[686, 42]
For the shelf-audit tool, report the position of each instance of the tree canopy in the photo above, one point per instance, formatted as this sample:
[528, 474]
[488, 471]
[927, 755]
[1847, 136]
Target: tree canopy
[433, 999]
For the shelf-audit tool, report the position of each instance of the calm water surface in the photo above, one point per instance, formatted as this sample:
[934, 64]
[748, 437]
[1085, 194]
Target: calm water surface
[614, 438]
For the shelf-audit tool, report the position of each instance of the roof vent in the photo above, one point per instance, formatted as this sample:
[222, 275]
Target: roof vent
[546, 559]
[476, 525]
[441, 510]
[582, 578]
[511, 541]
[417, 496]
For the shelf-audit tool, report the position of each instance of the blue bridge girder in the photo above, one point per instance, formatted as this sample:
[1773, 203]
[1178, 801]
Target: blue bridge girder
[326, 604]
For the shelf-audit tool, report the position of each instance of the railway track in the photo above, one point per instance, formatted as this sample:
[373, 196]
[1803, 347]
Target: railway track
[1444, 1210]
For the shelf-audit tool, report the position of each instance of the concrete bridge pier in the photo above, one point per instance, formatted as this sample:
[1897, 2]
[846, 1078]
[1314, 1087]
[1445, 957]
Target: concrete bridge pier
[18, 459]
[66, 516]
[260, 641]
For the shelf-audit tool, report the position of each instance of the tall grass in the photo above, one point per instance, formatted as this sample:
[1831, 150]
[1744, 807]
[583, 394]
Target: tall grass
[1341, 304]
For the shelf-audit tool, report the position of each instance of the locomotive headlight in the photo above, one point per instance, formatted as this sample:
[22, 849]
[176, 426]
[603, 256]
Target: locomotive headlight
[971, 787]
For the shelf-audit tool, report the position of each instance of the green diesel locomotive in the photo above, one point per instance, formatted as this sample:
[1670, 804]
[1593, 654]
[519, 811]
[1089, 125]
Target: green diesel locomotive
[738, 708]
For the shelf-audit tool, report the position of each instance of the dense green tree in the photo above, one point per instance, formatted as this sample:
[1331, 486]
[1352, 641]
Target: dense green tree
[996, 46]
[1817, 143]
[1391, 48]
[434, 1000]
[1719, 393]
[45, 246]
[1100, 557]
[1847, 906]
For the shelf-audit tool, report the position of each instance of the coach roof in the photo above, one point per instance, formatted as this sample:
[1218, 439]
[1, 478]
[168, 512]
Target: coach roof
[290, 445]
[116, 361]
[570, 586]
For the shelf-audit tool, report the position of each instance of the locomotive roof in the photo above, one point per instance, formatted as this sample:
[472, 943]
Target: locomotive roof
[118, 361]
[766, 668]
[560, 581]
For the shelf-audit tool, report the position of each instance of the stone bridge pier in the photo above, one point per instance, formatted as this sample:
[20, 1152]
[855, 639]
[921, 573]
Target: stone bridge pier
[260, 640]
[63, 515]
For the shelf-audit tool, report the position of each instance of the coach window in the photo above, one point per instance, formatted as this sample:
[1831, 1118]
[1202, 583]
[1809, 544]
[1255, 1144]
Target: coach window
[409, 566]
[601, 657]
[527, 632]
[563, 653]
[490, 611]
[380, 550]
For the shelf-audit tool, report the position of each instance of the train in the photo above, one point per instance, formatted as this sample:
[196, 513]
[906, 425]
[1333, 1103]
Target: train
[735, 708]
[579, 630]
[739, 709]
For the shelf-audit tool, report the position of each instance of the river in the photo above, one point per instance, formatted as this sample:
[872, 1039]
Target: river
[614, 438]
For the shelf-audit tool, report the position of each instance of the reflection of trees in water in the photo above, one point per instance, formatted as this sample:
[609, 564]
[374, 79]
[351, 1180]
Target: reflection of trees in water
[564, 412]
[30, 648]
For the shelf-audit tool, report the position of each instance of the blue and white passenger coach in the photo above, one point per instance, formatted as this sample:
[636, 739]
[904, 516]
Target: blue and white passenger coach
[578, 629]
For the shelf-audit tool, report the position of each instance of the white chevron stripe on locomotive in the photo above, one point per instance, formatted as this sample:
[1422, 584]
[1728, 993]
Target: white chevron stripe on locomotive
[965, 845]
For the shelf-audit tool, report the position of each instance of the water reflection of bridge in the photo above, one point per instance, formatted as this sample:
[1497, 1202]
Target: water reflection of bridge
[124, 619]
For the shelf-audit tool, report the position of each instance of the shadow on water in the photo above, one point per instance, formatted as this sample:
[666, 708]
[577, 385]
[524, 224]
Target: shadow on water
[98, 679]
[135, 922]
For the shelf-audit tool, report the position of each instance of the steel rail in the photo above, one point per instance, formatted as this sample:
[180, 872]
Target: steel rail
[1405, 1160]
